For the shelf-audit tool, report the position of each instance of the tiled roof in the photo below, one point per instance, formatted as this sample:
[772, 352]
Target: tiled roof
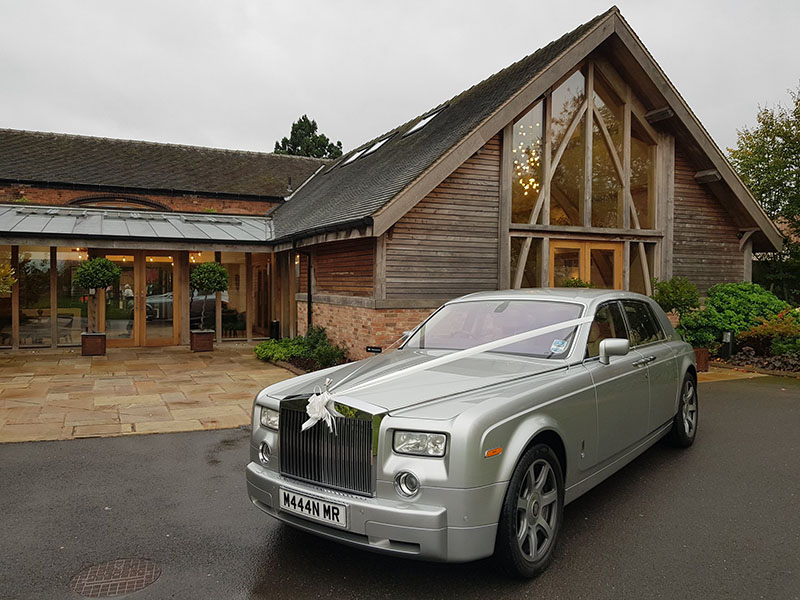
[344, 193]
[56, 221]
[31, 156]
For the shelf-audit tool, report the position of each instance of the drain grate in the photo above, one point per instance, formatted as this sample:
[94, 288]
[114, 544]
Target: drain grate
[115, 578]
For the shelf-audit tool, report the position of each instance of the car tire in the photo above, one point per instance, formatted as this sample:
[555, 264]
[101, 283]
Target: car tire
[684, 424]
[530, 521]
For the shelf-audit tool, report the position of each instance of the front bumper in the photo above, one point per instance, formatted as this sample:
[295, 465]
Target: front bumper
[392, 526]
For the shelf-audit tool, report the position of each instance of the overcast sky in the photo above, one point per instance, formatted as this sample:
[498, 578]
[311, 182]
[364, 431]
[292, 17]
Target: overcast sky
[237, 73]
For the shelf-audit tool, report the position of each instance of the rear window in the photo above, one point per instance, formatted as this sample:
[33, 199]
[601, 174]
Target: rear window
[644, 328]
[464, 325]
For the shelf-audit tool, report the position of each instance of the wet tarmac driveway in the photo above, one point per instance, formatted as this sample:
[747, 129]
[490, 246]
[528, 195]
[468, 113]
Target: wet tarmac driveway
[721, 520]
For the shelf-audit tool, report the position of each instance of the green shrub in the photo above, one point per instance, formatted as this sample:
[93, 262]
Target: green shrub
[312, 351]
[677, 294]
[774, 336]
[733, 307]
[96, 273]
[209, 278]
[577, 282]
[7, 279]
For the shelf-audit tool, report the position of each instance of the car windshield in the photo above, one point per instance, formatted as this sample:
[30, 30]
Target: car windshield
[462, 325]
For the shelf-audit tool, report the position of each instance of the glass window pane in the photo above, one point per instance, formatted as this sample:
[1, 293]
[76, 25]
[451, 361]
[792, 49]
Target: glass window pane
[602, 265]
[608, 323]
[526, 153]
[643, 154]
[72, 301]
[532, 268]
[566, 189]
[642, 328]
[466, 324]
[34, 295]
[606, 185]
[567, 99]
[610, 108]
[234, 311]
[5, 303]
[159, 309]
[120, 299]
[203, 308]
[566, 265]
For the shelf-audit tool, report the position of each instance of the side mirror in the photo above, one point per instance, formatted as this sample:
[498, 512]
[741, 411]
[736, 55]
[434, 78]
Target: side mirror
[613, 347]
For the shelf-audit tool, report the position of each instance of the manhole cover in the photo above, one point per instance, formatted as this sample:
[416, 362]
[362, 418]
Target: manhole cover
[115, 578]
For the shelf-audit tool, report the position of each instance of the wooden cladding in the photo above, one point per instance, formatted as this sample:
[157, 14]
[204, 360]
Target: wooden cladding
[705, 242]
[346, 268]
[447, 245]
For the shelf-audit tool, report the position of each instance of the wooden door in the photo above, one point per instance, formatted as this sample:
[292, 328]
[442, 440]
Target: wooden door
[142, 308]
[599, 263]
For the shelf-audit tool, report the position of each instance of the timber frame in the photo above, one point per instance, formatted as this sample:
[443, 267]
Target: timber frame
[539, 226]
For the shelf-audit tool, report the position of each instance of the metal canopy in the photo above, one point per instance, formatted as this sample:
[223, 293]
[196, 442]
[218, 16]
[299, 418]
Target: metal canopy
[50, 222]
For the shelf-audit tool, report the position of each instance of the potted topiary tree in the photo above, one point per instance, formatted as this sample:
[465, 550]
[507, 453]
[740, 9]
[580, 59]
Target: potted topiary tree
[95, 276]
[206, 279]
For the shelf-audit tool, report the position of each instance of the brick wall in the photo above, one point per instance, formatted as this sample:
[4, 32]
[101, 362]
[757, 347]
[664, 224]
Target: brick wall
[177, 202]
[357, 327]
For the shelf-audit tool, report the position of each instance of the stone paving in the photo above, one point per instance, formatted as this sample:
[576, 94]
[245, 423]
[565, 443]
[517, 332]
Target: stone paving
[59, 394]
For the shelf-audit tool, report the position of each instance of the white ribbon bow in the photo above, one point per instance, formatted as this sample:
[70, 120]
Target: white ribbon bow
[321, 407]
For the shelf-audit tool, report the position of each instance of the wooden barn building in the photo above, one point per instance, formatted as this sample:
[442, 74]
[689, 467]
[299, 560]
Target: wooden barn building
[579, 161]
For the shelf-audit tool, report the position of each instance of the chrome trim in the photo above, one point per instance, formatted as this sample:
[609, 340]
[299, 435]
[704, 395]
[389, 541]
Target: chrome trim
[318, 459]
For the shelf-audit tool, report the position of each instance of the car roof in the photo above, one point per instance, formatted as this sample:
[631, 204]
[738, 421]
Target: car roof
[587, 296]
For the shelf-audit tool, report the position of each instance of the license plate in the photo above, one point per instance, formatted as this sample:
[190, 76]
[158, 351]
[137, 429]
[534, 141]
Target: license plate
[329, 513]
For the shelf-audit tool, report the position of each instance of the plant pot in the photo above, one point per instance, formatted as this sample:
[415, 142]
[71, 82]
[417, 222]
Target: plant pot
[202, 340]
[701, 357]
[93, 344]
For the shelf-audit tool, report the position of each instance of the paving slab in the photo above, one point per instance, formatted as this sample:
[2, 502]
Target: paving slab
[59, 395]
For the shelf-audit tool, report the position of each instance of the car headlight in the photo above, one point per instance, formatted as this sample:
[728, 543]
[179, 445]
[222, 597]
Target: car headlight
[420, 443]
[270, 418]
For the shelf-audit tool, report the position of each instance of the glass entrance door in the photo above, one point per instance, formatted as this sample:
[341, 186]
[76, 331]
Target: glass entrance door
[139, 309]
[121, 302]
[598, 263]
[159, 323]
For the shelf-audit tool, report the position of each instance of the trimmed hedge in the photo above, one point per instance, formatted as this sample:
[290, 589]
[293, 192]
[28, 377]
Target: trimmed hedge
[310, 352]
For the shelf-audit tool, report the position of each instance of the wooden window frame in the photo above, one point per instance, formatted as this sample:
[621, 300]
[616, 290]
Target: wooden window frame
[587, 113]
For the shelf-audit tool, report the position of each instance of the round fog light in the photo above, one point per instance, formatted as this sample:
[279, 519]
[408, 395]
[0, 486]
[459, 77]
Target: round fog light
[406, 484]
[264, 452]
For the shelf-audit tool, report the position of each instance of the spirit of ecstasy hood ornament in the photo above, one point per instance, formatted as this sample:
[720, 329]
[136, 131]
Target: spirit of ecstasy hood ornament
[321, 407]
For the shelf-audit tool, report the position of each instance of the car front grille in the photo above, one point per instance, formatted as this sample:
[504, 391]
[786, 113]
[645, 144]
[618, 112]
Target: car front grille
[340, 459]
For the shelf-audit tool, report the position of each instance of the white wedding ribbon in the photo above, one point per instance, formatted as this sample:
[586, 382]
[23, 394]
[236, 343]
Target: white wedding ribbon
[321, 407]
[488, 346]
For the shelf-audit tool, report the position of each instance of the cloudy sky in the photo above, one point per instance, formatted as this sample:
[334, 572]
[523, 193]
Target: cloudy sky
[237, 73]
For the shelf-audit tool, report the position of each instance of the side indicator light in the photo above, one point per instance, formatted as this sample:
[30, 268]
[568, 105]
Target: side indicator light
[493, 452]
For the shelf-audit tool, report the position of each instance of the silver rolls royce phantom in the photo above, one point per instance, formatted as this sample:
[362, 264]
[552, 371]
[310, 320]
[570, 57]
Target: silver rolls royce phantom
[468, 440]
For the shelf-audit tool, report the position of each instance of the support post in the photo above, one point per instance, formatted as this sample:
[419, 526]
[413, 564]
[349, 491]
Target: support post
[53, 297]
[15, 299]
[249, 299]
[587, 148]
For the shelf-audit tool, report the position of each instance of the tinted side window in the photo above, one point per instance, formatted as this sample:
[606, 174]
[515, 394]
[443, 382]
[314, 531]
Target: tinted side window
[643, 326]
[608, 323]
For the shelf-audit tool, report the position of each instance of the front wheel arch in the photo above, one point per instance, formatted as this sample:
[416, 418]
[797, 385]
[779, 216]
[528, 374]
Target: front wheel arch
[552, 439]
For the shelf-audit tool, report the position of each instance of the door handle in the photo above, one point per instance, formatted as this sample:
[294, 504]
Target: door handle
[643, 361]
